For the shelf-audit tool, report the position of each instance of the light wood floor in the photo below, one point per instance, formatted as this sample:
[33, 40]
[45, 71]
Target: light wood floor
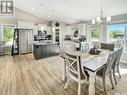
[23, 75]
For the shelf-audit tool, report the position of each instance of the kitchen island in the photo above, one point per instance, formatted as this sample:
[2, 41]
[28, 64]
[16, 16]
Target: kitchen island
[44, 50]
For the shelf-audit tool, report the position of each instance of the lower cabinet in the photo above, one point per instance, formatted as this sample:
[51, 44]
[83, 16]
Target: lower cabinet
[44, 51]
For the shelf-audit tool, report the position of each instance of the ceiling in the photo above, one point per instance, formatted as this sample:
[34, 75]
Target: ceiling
[71, 11]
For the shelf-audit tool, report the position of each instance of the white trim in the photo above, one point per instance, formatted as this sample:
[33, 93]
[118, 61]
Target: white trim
[4, 24]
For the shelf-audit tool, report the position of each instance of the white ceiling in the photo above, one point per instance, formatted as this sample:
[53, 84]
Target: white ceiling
[71, 11]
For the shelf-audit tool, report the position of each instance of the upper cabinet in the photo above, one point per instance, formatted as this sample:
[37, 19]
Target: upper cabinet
[77, 29]
[44, 27]
[58, 31]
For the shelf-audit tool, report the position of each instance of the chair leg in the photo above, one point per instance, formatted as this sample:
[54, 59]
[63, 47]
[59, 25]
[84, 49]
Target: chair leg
[103, 79]
[110, 76]
[79, 89]
[114, 76]
[65, 72]
[118, 71]
[67, 83]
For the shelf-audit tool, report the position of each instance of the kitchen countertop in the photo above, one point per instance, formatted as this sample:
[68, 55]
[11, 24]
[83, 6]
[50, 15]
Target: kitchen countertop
[37, 43]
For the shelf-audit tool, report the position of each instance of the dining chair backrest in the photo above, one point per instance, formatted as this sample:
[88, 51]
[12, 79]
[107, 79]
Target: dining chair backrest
[110, 61]
[74, 66]
[67, 48]
[118, 56]
[1, 47]
[107, 46]
[84, 46]
[70, 48]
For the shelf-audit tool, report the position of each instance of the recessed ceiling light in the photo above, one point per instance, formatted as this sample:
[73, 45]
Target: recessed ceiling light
[69, 19]
[32, 9]
[53, 11]
[48, 16]
[42, 4]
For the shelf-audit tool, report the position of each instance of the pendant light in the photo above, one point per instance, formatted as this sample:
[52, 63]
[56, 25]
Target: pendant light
[101, 19]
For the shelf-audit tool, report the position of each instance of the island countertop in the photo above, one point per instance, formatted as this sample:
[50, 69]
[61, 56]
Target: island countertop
[47, 43]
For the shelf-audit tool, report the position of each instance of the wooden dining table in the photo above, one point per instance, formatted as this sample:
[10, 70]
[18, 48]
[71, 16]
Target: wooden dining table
[92, 64]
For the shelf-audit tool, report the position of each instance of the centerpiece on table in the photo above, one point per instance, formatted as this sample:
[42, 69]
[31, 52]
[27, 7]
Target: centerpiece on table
[94, 51]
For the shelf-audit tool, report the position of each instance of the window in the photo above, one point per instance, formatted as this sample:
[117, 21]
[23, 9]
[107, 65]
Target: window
[8, 38]
[95, 34]
[116, 34]
[8, 35]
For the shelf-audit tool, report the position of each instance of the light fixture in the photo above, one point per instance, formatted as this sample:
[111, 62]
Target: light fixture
[101, 19]
[32, 9]
[108, 19]
[53, 11]
[42, 4]
[42, 28]
[93, 21]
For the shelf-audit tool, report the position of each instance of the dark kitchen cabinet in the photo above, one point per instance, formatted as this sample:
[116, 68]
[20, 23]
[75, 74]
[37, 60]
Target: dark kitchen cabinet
[45, 50]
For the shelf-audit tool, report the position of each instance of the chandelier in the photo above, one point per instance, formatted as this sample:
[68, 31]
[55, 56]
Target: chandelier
[101, 19]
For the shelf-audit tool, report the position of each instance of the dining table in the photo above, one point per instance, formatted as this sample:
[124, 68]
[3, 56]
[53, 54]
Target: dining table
[91, 64]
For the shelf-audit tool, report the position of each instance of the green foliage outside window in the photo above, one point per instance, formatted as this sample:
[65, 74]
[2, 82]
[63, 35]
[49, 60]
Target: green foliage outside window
[113, 33]
[95, 33]
[8, 34]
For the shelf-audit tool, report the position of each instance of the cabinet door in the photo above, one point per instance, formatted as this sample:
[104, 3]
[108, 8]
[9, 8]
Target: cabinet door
[44, 52]
[22, 41]
[30, 36]
[30, 40]
[29, 48]
[53, 49]
[22, 37]
[23, 49]
[49, 31]
[25, 40]
[37, 51]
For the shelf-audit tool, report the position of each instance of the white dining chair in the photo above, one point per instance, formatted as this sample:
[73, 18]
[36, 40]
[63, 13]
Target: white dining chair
[116, 65]
[1, 48]
[75, 71]
[107, 70]
[107, 46]
[66, 48]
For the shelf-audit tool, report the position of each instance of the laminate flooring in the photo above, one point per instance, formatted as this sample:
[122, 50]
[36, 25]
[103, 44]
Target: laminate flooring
[23, 75]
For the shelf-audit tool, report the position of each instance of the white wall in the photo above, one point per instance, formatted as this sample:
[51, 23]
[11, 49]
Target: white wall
[82, 29]
[1, 32]
[88, 34]
[21, 16]
[104, 34]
